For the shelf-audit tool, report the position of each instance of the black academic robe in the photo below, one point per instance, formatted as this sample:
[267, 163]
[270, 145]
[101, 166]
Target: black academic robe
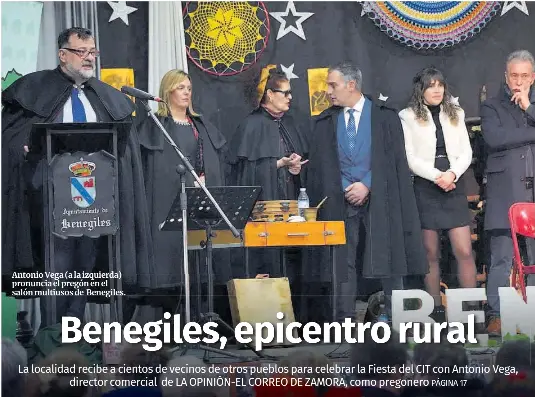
[393, 247]
[253, 152]
[39, 98]
[255, 149]
[163, 184]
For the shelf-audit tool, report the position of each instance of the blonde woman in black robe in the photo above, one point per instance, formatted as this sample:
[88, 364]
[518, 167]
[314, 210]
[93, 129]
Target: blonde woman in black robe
[203, 145]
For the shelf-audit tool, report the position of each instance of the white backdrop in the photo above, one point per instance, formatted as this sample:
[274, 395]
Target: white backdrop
[167, 49]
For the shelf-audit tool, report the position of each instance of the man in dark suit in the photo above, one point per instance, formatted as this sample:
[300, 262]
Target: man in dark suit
[508, 127]
[357, 157]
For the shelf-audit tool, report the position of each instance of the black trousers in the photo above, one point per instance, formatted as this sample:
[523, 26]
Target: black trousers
[352, 256]
[73, 254]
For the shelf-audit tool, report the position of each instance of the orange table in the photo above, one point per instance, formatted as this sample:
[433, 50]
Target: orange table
[279, 234]
[274, 234]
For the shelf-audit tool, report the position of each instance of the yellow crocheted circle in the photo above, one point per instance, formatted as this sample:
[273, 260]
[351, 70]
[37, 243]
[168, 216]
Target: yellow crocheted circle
[226, 33]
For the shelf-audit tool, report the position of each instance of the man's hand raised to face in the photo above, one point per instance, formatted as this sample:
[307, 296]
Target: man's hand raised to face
[521, 98]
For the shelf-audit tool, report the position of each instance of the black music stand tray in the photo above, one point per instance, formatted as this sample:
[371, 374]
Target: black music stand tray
[237, 202]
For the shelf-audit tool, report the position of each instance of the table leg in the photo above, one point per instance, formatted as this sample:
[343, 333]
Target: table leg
[246, 255]
[283, 262]
[334, 285]
[303, 301]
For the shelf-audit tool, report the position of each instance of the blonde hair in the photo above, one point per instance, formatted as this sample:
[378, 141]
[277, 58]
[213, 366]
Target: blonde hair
[169, 83]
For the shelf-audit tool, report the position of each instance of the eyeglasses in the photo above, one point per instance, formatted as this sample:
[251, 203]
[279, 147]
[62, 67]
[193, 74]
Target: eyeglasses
[83, 53]
[285, 93]
[521, 77]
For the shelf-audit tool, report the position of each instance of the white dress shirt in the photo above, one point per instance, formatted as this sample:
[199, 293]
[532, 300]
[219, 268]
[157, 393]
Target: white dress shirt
[358, 111]
[90, 115]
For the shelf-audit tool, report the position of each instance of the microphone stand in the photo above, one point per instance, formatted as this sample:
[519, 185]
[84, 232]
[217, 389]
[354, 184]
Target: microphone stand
[189, 168]
[183, 205]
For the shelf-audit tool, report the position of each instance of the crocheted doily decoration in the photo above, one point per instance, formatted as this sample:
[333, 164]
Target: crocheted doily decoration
[225, 37]
[431, 25]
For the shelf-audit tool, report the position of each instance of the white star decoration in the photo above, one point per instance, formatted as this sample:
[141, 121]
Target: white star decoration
[521, 5]
[120, 10]
[289, 72]
[283, 29]
[382, 97]
[455, 100]
[365, 7]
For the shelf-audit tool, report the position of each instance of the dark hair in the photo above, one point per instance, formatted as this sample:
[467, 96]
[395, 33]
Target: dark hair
[444, 354]
[134, 355]
[517, 353]
[521, 385]
[349, 72]
[274, 80]
[82, 33]
[421, 82]
[391, 353]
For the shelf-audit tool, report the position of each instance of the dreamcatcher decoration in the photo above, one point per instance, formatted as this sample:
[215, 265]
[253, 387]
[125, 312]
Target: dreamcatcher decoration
[431, 25]
[225, 38]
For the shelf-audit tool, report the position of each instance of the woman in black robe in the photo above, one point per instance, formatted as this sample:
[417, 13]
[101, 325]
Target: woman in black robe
[268, 150]
[202, 144]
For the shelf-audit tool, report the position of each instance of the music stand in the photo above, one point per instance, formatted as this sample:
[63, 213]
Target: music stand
[186, 166]
[236, 201]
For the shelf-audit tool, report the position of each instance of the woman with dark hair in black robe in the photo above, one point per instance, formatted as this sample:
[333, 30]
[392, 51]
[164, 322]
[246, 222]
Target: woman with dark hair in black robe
[268, 150]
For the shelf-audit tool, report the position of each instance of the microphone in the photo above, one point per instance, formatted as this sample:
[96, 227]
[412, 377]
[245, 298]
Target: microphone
[139, 94]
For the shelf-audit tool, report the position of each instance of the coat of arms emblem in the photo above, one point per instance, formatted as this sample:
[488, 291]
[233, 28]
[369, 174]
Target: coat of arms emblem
[83, 185]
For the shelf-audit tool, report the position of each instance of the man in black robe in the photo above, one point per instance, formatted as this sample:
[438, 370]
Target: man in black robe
[69, 93]
[357, 158]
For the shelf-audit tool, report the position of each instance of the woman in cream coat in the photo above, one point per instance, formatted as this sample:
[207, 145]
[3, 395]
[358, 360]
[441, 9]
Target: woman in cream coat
[439, 152]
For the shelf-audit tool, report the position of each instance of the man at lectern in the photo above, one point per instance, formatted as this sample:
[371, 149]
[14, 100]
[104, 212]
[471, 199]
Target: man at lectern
[68, 94]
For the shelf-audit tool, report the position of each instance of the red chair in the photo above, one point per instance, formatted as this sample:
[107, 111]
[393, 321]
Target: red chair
[522, 221]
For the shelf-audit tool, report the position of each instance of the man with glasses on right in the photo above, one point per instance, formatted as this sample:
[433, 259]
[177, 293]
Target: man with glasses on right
[508, 127]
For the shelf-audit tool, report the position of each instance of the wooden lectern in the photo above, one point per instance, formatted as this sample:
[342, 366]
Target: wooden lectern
[77, 169]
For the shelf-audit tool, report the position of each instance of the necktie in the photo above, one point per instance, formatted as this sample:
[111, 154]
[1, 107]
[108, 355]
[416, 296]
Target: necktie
[351, 130]
[78, 111]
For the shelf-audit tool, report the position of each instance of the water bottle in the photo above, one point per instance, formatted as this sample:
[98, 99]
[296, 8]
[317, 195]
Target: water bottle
[383, 316]
[302, 202]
